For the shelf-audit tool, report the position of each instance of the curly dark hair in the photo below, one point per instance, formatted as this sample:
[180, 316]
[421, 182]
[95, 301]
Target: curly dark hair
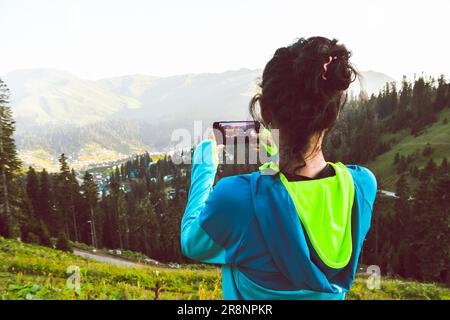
[301, 97]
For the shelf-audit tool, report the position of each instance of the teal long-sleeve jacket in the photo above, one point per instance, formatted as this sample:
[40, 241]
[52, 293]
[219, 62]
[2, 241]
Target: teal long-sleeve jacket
[274, 238]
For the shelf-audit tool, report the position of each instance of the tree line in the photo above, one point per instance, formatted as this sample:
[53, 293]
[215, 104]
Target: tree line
[132, 209]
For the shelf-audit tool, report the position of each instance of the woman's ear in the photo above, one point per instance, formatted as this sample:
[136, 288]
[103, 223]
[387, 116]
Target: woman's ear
[266, 115]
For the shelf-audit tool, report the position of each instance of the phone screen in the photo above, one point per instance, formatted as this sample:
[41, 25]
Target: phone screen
[240, 139]
[236, 132]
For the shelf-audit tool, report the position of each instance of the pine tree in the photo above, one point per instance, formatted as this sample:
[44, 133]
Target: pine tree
[62, 243]
[429, 170]
[402, 193]
[66, 187]
[396, 158]
[122, 214]
[402, 118]
[422, 100]
[44, 234]
[45, 209]
[62, 199]
[90, 194]
[441, 99]
[32, 188]
[151, 230]
[107, 223]
[119, 215]
[393, 98]
[77, 203]
[9, 165]
[402, 208]
[405, 95]
[427, 151]
[444, 168]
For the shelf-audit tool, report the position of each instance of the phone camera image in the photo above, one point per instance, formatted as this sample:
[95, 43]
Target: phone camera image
[240, 140]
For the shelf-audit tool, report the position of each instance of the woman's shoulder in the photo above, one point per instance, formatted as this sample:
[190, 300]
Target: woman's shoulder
[365, 180]
[233, 193]
[234, 187]
[361, 171]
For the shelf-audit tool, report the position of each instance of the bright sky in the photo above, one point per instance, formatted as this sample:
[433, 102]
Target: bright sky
[102, 38]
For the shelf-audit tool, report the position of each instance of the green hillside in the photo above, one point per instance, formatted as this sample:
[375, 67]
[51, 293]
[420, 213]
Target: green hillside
[436, 135]
[34, 272]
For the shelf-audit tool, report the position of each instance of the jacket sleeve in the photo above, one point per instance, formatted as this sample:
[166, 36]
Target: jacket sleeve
[369, 186]
[366, 184]
[195, 241]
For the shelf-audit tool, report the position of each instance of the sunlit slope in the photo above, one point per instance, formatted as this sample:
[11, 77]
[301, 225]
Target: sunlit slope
[436, 135]
[46, 96]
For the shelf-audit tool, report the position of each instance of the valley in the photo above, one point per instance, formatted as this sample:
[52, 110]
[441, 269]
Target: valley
[109, 119]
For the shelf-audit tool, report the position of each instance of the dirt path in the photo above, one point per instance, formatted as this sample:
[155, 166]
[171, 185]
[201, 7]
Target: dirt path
[388, 193]
[106, 259]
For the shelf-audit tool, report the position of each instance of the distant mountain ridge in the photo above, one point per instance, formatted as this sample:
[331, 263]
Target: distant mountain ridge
[57, 111]
[52, 96]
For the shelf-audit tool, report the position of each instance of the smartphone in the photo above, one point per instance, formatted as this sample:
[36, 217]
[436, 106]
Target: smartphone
[241, 144]
[236, 132]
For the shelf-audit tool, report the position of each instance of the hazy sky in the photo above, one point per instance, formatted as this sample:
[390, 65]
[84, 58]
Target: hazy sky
[103, 38]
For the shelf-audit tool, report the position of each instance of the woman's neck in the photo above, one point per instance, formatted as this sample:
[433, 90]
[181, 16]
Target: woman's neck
[312, 164]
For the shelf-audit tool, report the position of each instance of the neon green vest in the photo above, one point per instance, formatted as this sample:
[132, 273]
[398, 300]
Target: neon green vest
[324, 207]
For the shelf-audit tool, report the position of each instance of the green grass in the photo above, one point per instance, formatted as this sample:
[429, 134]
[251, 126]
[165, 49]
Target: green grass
[437, 135]
[34, 272]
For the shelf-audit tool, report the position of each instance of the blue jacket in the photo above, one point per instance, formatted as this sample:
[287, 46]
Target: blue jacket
[250, 225]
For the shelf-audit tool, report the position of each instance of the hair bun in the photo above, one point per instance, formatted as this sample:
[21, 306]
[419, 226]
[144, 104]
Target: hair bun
[339, 74]
[312, 57]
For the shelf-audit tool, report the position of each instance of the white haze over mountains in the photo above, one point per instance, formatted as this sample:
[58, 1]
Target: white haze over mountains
[59, 112]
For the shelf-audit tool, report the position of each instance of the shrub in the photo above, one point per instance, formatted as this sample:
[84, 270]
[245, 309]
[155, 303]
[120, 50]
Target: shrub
[44, 234]
[32, 238]
[63, 243]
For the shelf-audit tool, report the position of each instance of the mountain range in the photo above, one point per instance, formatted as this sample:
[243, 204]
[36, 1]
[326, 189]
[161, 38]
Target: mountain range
[97, 120]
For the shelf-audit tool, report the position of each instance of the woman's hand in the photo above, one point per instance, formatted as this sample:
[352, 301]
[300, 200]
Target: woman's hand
[207, 152]
[217, 150]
